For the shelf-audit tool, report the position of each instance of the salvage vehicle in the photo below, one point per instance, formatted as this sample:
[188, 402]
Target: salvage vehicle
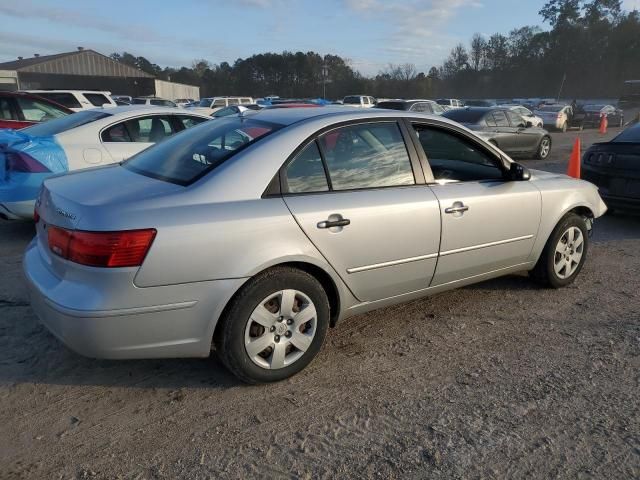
[77, 100]
[84, 139]
[19, 110]
[614, 167]
[556, 116]
[418, 105]
[256, 233]
[505, 129]
[525, 113]
[590, 116]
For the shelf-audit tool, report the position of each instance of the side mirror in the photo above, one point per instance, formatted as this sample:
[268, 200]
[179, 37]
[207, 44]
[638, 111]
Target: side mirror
[519, 172]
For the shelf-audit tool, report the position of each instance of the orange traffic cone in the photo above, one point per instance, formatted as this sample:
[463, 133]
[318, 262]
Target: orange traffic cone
[603, 124]
[573, 170]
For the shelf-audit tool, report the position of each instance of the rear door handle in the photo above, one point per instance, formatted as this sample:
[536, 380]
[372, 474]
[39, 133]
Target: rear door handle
[334, 223]
[457, 207]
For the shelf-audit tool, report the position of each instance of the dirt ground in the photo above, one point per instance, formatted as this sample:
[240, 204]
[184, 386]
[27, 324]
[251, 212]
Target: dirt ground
[498, 380]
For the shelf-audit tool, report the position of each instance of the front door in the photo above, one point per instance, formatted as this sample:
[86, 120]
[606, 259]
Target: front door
[488, 223]
[359, 203]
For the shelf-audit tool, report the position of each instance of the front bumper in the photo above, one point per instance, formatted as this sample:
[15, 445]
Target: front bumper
[102, 321]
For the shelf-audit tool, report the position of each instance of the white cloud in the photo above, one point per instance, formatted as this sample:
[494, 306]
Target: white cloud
[631, 4]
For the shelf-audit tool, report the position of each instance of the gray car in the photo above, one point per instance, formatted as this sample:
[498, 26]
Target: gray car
[255, 233]
[506, 129]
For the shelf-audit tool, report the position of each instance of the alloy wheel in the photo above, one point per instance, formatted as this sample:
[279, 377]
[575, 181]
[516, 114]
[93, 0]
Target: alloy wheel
[280, 329]
[568, 253]
[545, 148]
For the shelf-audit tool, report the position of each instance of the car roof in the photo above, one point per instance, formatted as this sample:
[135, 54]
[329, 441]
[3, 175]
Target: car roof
[126, 110]
[332, 113]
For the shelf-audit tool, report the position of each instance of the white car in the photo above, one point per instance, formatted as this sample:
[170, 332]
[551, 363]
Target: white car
[183, 102]
[85, 139]
[450, 103]
[155, 101]
[527, 114]
[77, 100]
[555, 116]
[361, 101]
[209, 105]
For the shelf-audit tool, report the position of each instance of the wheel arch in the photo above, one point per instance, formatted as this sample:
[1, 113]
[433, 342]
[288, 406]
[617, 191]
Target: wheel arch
[327, 282]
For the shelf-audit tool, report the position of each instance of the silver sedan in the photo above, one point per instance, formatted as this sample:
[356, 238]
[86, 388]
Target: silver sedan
[253, 234]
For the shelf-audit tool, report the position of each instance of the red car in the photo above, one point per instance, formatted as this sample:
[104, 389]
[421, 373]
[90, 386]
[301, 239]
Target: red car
[19, 110]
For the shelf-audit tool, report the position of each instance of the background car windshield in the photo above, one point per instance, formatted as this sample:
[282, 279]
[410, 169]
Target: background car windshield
[462, 115]
[630, 135]
[59, 125]
[351, 100]
[392, 105]
[205, 102]
[184, 158]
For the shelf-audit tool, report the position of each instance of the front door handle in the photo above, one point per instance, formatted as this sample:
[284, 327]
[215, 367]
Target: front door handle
[342, 222]
[456, 208]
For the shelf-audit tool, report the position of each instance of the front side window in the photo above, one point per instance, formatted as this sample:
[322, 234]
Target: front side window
[36, 111]
[516, 120]
[184, 158]
[306, 173]
[454, 158]
[367, 156]
[97, 99]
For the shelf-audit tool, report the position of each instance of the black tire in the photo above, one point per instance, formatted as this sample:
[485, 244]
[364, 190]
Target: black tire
[544, 272]
[540, 155]
[229, 338]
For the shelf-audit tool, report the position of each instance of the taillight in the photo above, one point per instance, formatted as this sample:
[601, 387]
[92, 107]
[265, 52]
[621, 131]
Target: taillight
[127, 248]
[22, 162]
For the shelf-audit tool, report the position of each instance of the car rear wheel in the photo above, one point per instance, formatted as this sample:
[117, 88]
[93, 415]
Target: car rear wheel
[274, 327]
[564, 254]
[544, 148]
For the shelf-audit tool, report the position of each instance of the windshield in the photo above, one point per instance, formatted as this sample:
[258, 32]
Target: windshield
[463, 115]
[186, 157]
[550, 108]
[351, 100]
[62, 124]
[630, 135]
[205, 102]
[392, 105]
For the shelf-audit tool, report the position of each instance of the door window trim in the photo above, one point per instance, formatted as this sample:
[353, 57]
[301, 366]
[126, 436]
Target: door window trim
[277, 185]
[457, 132]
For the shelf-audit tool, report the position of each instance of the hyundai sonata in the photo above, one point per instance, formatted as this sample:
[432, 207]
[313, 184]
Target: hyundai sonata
[253, 234]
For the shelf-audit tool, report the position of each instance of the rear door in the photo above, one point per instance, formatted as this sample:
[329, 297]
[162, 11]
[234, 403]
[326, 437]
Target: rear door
[525, 138]
[488, 223]
[506, 133]
[358, 193]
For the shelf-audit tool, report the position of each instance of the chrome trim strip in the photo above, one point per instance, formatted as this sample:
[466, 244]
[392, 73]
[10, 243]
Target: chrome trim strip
[72, 312]
[485, 245]
[391, 263]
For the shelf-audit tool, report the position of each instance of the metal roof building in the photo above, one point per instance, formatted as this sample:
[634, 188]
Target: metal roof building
[82, 70]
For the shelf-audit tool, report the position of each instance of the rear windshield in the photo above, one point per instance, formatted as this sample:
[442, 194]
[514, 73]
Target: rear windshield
[630, 135]
[59, 125]
[551, 108]
[184, 158]
[392, 105]
[462, 115]
[205, 102]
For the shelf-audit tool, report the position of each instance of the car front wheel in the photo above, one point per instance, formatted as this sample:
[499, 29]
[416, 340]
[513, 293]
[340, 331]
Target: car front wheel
[544, 148]
[274, 327]
[564, 254]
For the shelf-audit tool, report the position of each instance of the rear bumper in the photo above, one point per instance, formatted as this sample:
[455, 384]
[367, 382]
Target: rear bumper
[126, 322]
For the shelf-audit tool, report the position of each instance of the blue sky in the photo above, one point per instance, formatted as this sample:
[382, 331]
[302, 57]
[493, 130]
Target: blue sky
[370, 33]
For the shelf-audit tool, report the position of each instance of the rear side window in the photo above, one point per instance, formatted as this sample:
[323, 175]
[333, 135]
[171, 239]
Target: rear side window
[500, 118]
[139, 101]
[150, 129]
[66, 99]
[38, 111]
[306, 172]
[367, 156]
[188, 122]
[96, 99]
[184, 158]
[351, 100]
[62, 124]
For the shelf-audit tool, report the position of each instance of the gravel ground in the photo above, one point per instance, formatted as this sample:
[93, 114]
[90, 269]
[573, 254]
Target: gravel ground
[498, 380]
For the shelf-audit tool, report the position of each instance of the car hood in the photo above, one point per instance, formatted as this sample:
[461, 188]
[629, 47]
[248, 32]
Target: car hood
[542, 175]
